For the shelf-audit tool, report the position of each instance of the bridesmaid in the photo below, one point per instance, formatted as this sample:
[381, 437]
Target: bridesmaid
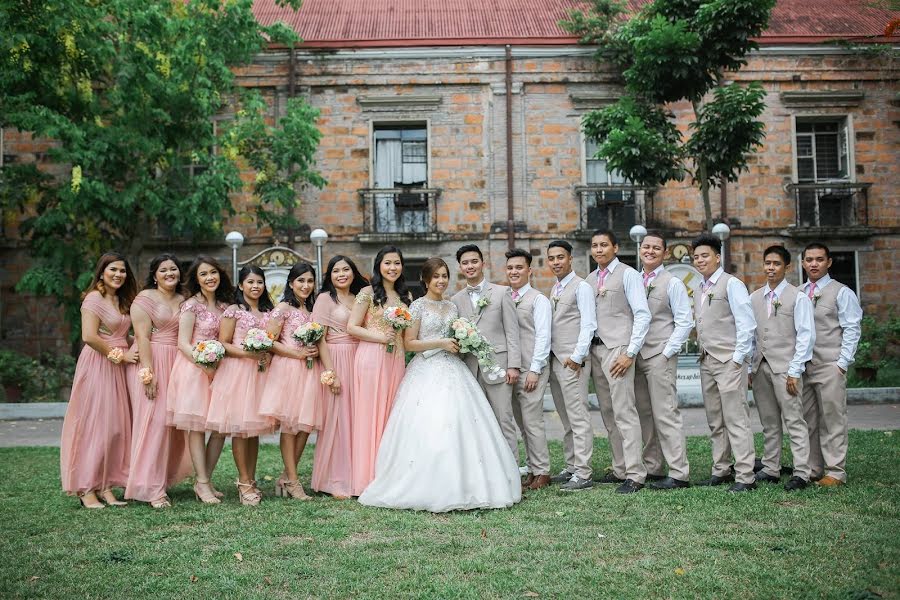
[209, 292]
[236, 390]
[377, 372]
[331, 464]
[96, 433]
[158, 453]
[292, 393]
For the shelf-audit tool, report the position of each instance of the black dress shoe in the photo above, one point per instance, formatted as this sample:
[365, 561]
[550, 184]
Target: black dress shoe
[717, 480]
[763, 477]
[795, 483]
[655, 477]
[757, 465]
[629, 487]
[610, 477]
[669, 484]
[742, 487]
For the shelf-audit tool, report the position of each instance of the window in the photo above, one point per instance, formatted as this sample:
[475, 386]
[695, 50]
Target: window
[401, 165]
[606, 201]
[843, 269]
[412, 268]
[822, 151]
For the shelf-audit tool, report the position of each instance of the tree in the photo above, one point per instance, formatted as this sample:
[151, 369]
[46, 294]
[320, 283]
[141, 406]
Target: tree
[670, 51]
[129, 90]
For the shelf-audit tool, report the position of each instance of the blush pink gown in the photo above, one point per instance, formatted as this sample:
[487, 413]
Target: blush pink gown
[237, 388]
[188, 395]
[376, 377]
[331, 466]
[292, 395]
[159, 457]
[96, 433]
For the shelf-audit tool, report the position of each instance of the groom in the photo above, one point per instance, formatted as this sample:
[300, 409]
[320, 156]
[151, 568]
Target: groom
[494, 313]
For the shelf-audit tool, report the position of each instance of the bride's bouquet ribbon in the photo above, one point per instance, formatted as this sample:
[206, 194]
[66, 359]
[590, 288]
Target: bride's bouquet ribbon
[309, 334]
[258, 341]
[399, 318]
[472, 342]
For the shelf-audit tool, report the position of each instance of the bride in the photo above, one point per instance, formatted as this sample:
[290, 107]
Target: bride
[442, 449]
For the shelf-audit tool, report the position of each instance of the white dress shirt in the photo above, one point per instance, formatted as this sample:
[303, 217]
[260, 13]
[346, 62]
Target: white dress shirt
[584, 297]
[680, 305]
[542, 313]
[849, 316]
[804, 326]
[744, 321]
[475, 292]
[636, 294]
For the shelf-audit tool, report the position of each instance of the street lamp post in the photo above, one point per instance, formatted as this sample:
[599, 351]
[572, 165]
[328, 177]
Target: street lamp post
[637, 234]
[318, 237]
[235, 240]
[723, 232]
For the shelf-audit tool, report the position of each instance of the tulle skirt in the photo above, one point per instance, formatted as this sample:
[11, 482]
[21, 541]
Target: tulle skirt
[235, 394]
[187, 396]
[332, 472]
[293, 396]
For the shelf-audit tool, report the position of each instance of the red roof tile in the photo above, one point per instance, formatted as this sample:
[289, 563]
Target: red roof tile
[360, 23]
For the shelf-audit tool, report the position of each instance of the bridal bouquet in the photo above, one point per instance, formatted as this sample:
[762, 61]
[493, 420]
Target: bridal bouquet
[208, 353]
[258, 340]
[309, 334]
[470, 340]
[398, 318]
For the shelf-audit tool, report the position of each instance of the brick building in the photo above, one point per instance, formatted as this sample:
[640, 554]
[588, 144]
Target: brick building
[445, 125]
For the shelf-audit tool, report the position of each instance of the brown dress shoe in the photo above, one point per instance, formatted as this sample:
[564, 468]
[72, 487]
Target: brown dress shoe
[527, 481]
[829, 481]
[541, 481]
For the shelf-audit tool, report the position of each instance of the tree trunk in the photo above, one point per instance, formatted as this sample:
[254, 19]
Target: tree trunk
[703, 176]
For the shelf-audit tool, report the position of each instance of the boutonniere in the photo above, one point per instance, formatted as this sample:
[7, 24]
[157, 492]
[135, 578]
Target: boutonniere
[650, 288]
[602, 292]
[483, 302]
[776, 305]
[518, 300]
[555, 300]
[816, 297]
[709, 298]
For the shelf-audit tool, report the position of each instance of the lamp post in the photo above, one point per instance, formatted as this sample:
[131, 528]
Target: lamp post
[723, 232]
[235, 240]
[318, 237]
[637, 234]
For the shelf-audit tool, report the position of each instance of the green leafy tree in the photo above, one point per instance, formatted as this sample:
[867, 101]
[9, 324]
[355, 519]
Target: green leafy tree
[136, 96]
[671, 51]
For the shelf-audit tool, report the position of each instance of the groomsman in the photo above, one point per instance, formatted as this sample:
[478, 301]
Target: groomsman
[572, 327]
[491, 308]
[656, 368]
[535, 315]
[785, 335]
[623, 319]
[837, 316]
[725, 329]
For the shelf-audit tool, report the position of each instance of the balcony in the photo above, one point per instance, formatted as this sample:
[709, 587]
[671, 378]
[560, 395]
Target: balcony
[830, 209]
[614, 207]
[398, 214]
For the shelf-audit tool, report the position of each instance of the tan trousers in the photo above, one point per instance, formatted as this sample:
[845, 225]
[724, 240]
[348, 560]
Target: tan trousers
[774, 403]
[569, 390]
[528, 410]
[499, 396]
[728, 414]
[617, 407]
[825, 411]
[656, 398]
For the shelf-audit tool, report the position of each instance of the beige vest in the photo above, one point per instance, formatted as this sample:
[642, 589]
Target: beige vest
[489, 319]
[615, 320]
[716, 331]
[662, 320]
[776, 335]
[829, 332]
[566, 323]
[525, 314]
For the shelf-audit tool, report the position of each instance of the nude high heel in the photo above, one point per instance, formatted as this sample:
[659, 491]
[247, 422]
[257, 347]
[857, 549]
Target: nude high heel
[205, 496]
[90, 501]
[110, 498]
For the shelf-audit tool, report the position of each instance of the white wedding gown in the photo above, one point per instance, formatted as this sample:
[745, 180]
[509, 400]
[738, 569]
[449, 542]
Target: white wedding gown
[442, 449]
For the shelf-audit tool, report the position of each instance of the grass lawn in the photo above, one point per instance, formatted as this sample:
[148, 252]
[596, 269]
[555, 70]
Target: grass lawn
[701, 542]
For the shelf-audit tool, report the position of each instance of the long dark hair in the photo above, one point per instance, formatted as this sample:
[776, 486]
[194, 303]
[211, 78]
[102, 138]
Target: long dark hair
[126, 292]
[225, 291]
[150, 283]
[265, 302]
[356, 286]
[380, 295]
[288, 296]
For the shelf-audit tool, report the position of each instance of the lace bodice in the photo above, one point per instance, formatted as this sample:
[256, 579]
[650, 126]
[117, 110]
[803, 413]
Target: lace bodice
[246, 321]
[435, 315]
[206, 323]
[374, 320]
[291, 319]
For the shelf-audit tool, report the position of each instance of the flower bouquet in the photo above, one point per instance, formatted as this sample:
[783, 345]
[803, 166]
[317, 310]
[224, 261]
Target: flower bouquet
[309, 334]
[208, 353]
[398, 318]
[471, 341]
[259, 341]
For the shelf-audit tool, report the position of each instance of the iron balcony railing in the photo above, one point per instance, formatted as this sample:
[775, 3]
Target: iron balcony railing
[400, 210]
[833, 204]
[614, 207]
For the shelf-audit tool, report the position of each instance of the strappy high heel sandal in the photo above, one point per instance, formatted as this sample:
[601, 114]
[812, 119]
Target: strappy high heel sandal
[89, 500]
[204, 495]
[248, 494]
[294, 490]
[110, 498]
[161, 503]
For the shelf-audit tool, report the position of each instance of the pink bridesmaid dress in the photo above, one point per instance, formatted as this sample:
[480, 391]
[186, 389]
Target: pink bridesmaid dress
[96, 433]
[376, 377]
[159, 457]
[188, 395]
[291, 395]
[332, 472]
[237, 388]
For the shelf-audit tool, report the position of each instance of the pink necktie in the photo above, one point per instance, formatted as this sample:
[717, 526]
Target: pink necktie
[648, 277]
[771, 297]
[601, 278]
[515, 295]
[557, 289]
[703, 287]
[812, 290]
